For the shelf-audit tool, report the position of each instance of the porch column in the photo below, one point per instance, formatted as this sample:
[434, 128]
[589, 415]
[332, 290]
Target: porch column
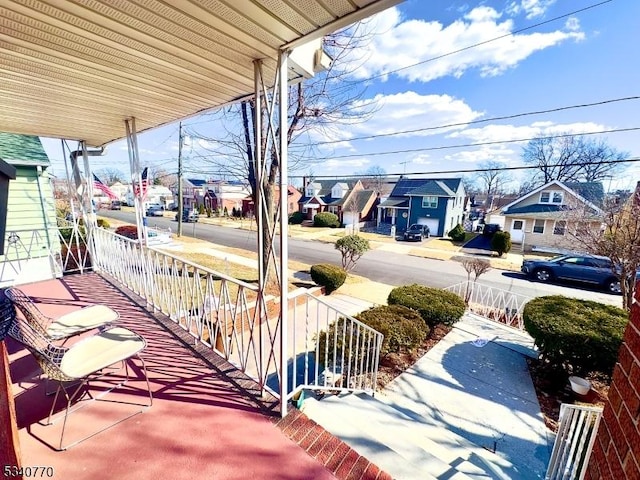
[136, 177]
[258, 165]
[284, 225]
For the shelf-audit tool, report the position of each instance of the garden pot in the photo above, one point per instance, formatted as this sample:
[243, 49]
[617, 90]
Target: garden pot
[580, 385]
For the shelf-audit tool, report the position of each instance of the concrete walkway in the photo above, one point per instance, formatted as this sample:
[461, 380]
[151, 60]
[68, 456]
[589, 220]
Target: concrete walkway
[475, 382]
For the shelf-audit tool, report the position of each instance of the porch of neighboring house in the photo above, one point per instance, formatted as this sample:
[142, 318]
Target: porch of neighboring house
[208, 419]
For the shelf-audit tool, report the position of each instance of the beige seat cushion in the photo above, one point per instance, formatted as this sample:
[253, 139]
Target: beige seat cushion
[100, 351]
[86, 318]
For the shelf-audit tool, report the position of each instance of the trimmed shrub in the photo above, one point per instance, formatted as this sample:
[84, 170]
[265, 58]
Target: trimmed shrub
[403, 328]
[351, 247]
[67, 232]
[435, 306]
[129, 231]
[457, 234]
[341, 348]
[296, 218]
[501, 242]
[578, 336]
[328, 276]
[326, 219]
[103, 223]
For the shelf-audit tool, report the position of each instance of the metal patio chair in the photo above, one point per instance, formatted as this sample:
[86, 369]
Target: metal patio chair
[81, 363]
[65, 326]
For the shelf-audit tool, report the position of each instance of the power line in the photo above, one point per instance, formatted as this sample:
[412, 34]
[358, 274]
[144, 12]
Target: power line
[479, 170]
[479, 144]
[453, 52]
[484, 120]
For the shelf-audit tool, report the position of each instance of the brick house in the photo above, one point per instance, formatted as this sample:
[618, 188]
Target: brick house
[293, 197]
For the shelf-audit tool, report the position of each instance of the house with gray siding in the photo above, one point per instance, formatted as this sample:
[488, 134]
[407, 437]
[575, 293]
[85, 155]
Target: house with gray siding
[31, 243]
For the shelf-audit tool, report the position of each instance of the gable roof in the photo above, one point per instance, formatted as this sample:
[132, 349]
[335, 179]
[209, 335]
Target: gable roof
[511, 207]
[441, 187]
[196, 182]
[22, 150]
[360, 198]
[591, 191]
[324, 190]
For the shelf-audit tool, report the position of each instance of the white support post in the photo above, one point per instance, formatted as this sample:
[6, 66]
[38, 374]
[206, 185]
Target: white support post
[258, 164]
[284, 220]
[134, 164]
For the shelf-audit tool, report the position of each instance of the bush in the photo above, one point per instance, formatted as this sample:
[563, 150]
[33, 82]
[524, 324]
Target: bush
[501, 242]
[326, 219]
[296, 218]
[351, 247]
[67, 232]
[457, 234]
[129, 231]
[435, 306]
[403, 328]
[328, 276]
[341, 348]
[103, 223]
[578, 336]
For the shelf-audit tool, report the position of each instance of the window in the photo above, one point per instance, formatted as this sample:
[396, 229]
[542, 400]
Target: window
[538, 226]
[557, 197]
[430, 201]
[544, 197]
[310, 192]
[551, 197]
[560, 227]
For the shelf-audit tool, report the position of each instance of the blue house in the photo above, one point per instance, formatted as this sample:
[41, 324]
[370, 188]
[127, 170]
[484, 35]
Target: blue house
[436, 202]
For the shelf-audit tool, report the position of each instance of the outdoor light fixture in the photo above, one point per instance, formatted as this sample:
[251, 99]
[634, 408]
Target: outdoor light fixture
[307, 60]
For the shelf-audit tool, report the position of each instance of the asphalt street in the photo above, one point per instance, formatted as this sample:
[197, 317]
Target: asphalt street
[380, 266]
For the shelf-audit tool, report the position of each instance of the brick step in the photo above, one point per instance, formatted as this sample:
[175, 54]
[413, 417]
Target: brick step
[338, 457]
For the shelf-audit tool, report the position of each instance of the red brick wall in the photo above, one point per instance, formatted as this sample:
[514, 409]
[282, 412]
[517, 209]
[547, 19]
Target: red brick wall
[616, 452]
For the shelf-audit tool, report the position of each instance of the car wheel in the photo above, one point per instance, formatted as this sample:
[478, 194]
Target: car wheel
[613, 285]
[543, 275]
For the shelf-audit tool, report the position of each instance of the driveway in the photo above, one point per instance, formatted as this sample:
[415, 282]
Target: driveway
[480, 245]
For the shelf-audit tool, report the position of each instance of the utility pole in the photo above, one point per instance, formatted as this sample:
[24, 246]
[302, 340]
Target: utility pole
[180, 202]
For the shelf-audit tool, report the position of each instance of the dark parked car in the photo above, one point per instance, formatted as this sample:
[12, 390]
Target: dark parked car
[416, 232]
[188, 216]
[589, 269]
[116, 205]
[490, 228]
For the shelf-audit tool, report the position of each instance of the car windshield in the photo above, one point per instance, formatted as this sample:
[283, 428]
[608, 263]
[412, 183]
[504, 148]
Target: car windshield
[558, 258]
[415, 226]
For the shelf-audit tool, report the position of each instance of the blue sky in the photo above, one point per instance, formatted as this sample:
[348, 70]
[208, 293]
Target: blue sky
[582, 58]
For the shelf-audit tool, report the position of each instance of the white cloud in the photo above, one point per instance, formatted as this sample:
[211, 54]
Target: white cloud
[348, 163]
[403, 43]
[530, 8]
[401, 112]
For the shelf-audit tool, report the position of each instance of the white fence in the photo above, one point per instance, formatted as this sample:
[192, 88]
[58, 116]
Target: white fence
[331, 350]
[235, 320]
[574, 441]
[492, 303]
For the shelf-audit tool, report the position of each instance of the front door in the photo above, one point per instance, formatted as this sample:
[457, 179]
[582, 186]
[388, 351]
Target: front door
[517, 230]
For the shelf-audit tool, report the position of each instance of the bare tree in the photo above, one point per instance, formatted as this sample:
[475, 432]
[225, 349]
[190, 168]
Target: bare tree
[572, 158]
[494, 179]
[110, 175]
[475, 266]
[615, 235]
[318, 106]
[373, 178]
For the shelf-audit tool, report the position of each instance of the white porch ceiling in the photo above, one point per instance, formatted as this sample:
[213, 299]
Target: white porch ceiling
[76, 69]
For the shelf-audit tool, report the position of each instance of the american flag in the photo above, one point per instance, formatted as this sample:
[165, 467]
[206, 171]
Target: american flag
[145, 184]
[103, 188]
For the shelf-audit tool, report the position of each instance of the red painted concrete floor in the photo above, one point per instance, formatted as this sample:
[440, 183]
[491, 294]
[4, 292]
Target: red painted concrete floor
[201, 424]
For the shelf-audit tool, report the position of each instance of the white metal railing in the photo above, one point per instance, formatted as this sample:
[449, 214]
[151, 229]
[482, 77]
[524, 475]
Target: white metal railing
[331, 350]
[576, 435]
[492, 303]
[233, 319]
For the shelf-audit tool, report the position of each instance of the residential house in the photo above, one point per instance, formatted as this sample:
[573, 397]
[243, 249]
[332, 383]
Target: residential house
[193, 190]
[293, 197]
[221, 195]
[436, 202]
[347, 198]
[31, 243]
[547, 218]
[156, 194]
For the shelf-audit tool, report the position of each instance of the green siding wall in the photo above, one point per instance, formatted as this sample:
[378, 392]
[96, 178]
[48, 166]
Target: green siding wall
[31, 207]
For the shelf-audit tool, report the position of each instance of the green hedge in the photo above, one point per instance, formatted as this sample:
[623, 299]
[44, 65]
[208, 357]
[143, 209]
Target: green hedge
[403, 328]
[296, 218]
[328, 276]
[501, 242]
[579, 336]
[435, 306]
[457, 234]
[326, 219]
